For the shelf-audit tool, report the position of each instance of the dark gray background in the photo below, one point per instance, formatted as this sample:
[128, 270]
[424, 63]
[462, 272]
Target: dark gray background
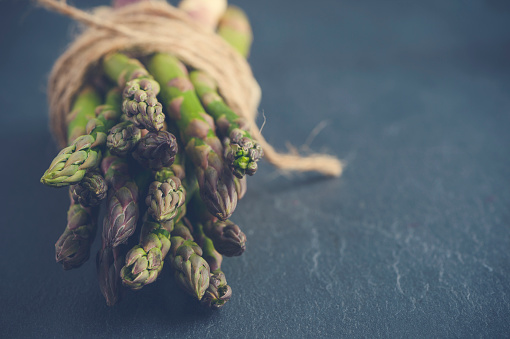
[412, 241]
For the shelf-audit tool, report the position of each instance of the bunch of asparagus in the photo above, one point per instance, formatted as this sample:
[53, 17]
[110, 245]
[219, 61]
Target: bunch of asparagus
[163, 150]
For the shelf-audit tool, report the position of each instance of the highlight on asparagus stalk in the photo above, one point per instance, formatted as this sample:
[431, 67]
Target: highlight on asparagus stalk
[72, 249]
[123, 138]
[122, 202]
[191, 270]
[216, 182]
[218, 292]
[90, 190]
[242, 152]
[156, 150]
[140, 90]
[144, 262]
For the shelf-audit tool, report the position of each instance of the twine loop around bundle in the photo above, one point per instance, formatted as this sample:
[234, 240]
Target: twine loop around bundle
[144, 28]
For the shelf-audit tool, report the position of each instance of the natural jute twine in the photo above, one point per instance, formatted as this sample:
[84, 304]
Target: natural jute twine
[147, 27]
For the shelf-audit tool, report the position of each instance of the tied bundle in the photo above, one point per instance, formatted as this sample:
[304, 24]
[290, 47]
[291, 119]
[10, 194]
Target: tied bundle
[155, 108]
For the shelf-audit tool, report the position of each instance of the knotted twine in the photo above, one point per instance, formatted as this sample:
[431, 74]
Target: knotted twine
[144, 28]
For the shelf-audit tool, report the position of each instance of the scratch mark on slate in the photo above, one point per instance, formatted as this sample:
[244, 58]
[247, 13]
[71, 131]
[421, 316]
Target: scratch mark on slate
[397, 272]
[315, 247]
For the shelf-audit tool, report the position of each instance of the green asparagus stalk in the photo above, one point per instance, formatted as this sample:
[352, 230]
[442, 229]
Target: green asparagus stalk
[191, 270]
[84, 153]
[144, 262]
[216, 182]
[71, 163]
[84, 109]
[234, 27]
[122, 203]
[218, 292]
[73, 247]
[156, 150]
[140, 104]
[167, 192]
[242, 152]
[123, 138]
[90, 190]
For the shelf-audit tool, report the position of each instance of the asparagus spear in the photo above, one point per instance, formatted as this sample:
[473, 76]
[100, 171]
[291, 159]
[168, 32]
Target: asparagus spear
[218, 292]
[90, 190]
[216, 182]
[242, 152]
[118, 224]
[123, 138]
[84, 152]
[234, 27]
[228, 238]
[167, 192]
[140, 90]
[72, 162]
[165, 206]
[72, 249]
[144, 262]
[122, 205]
[156, 150]
[191, 270]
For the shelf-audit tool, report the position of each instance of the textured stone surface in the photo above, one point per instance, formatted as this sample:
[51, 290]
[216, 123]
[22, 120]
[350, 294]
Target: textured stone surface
[412, 241]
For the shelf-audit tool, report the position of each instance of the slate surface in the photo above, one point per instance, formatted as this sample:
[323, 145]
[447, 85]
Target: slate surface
[412, 241]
